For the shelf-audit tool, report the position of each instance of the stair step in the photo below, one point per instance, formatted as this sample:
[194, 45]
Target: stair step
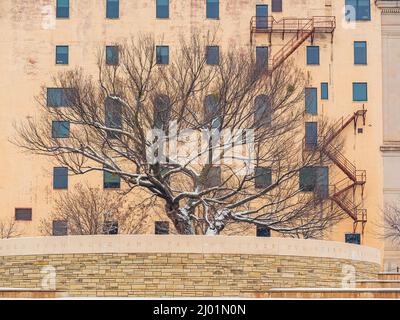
[334, 293]
[378, 284]
[389, 276]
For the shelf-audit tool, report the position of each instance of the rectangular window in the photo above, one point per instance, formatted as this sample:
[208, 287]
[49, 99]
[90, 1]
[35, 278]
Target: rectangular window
[261, 16]
[311, 101]
[262, 112]
[113, 117]
[361, 10]
[61, 54]
[110, 227]
[162, 54]
[312, 55]
[60, 129]
[212, 55]
[264, 232]
[276, 5]
[360, 52]
[112, 10]
[59, 97]
[311, 135]
[315, 179]
[360, 91]
[161, 227]
[60, 228]
[262, 57]
[23, 214]
[324, 91]
[162, 10]
[62, 9]
[213, 177]
[212, 10]
[112, 55]
[354, 238]
[111, 180]
[263, 177]
[60, 178]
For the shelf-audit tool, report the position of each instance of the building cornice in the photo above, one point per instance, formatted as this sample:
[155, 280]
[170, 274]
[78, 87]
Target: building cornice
[388, 7]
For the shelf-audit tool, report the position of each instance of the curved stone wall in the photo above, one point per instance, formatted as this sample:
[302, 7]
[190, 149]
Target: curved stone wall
[166, 266]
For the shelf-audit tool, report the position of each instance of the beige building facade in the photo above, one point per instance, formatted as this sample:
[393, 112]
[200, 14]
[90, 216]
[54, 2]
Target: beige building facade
[390, 148]
[341, 56]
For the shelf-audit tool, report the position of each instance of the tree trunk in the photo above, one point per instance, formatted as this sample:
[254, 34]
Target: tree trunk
[181, 219]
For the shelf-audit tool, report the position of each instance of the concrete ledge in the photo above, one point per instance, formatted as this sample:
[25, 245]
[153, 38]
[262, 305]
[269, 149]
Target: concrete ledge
[187, 244]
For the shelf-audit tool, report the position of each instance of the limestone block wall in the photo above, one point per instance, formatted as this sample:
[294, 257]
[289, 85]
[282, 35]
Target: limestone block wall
[167, 266]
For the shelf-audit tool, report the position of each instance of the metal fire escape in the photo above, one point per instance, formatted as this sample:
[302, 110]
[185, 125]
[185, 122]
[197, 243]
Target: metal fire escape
[302, 28]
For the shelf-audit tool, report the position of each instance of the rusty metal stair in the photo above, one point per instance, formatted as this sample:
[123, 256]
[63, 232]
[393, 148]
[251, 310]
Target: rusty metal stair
[304, 28]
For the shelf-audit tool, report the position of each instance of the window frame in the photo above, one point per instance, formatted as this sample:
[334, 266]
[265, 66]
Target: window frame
[159, 10]
[57, 55]
[158, 226]
[63, 185]
[215, 61]
[53, 129]
[63, 101]
[356, 235]
[159, 55]
[366, 92]
[58, 16]
[311, 109]
[209, 10]
[110, 185]
[110, 59]
[324, 91]
[357, 61]
[262, 59]
[276, 7]
[260, 229]
[266, 174]
[310, 56]
[54, 229]
[109, 7]
[19, 208]
[356, 8]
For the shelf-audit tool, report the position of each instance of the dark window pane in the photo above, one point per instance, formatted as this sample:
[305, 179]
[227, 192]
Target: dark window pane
[315, 179]
[111, 180]
[62, 55]
[212, 9]
[213, 177]
[311, 135]
[263, 177]
[311, 100]
[162, 54]
[113, 117]
[23, 214]
[211, 111]
[263, 231]
[112, 9]
[59, 97]
[324, 91]
[362, 10]
[60, 178]
[262, 112]
[161, 227]
[62, 9]
[276, 5]
[360, 91]
[60, 228]
[262, 57]
[312, 55]
[354, 238]
[112, 55]
[307, 178]
[110, 227]
[213, 55]
[162, 112]
[162, 10]
[60, 129]
[261, 16]
[360, 52]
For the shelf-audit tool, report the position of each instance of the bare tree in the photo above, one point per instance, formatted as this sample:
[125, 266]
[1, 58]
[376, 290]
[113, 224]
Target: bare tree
[87, 211]
[8, 229]
[210, 185]
[392, 222]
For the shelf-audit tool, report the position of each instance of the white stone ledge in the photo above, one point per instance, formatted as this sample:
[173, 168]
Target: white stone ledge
[187, 244]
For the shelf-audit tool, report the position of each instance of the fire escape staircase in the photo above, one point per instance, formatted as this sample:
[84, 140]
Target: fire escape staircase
[354, 178]
[302, 28]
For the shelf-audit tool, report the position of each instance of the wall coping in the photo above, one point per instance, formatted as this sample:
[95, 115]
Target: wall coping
[187, 244]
